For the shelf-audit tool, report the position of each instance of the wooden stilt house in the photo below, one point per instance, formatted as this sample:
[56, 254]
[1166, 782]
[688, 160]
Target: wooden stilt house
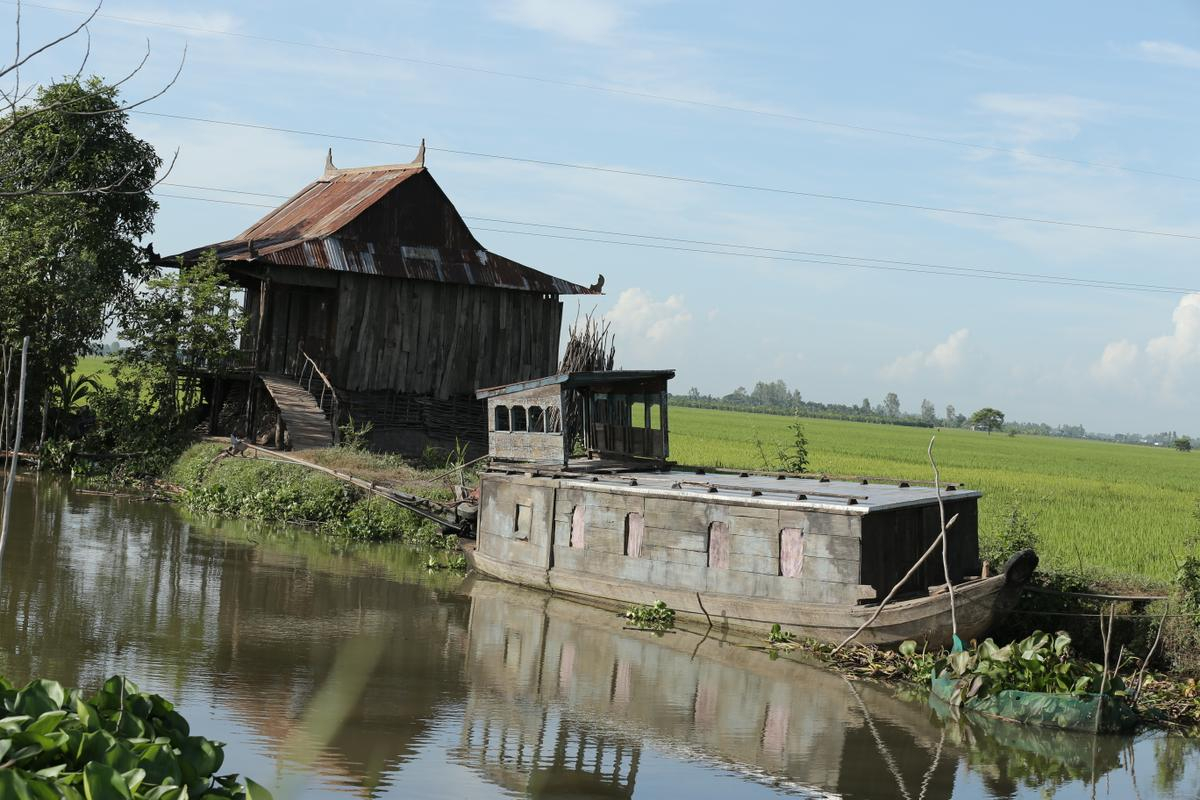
[370, 279]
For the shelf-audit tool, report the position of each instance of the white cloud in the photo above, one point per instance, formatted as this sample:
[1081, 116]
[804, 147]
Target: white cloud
[1164, 363]
[1176, 55]
[591, 21]
[1038, 117]
[1117, 361]
[1180, 348]
[638, 316]
[195, 22]
[946, 356]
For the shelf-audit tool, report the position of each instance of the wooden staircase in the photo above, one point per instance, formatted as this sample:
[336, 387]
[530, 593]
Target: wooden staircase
[305, 420]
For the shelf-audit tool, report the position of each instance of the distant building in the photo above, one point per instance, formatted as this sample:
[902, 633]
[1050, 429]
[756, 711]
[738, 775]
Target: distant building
[371, 275]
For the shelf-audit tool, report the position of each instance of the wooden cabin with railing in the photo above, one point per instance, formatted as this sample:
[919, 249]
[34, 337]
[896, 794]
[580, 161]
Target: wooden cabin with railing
[370, 278]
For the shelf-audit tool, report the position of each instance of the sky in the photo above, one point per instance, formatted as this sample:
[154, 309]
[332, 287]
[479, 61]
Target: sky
[788, 116]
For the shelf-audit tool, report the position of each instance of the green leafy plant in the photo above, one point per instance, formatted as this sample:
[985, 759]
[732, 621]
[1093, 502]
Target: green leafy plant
[1019, 533]
[1040, 662]
[119, 744]
[780, 639]
[789, 457]
[355, 437]
[655, 617]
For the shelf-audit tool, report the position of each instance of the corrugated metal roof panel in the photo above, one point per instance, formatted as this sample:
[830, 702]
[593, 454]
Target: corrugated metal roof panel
[309, 230]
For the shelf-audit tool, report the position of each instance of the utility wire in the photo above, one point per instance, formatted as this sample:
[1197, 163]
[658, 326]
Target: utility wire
[627, 92]
[883, 265]
[708, 243]
[687, 179]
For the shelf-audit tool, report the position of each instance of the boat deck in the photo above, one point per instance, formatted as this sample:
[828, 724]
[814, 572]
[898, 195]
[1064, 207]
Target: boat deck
[861, 495]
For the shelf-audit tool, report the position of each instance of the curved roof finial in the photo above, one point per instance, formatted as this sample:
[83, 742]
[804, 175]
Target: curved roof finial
[329, 167]
[419, 161]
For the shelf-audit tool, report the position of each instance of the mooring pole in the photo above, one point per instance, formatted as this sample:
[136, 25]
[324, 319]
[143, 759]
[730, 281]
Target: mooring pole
[16, 461]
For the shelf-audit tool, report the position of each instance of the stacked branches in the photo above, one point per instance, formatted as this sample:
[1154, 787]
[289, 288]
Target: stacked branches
[590, 348]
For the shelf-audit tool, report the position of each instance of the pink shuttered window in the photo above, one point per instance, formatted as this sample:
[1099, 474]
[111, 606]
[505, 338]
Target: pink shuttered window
[577, 527]
[791, 552]
[718, 545]
[635, 531]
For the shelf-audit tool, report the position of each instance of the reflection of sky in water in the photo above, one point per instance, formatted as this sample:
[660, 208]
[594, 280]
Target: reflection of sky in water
[478, 691]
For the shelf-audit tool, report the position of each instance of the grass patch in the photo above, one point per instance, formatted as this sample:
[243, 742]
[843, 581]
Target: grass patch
[1100, 507]
[262, 489]
[98, 367]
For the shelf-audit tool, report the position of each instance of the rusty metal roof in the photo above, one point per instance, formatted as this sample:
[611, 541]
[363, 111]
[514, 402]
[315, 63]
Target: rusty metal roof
[366, 220]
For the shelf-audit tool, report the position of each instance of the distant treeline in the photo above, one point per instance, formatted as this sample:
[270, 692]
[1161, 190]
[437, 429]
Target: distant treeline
[775, 398]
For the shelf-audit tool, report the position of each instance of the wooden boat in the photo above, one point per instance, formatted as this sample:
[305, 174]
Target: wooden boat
[580, 498]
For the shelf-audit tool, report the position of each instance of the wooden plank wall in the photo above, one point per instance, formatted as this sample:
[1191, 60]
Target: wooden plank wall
[675, 544]
[440, 339]
[892, 541]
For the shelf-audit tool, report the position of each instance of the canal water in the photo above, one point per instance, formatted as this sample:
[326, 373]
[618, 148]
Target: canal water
[350, 670]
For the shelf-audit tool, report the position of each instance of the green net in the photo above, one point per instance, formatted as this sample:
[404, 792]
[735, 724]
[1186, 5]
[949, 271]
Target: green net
[1067, 711]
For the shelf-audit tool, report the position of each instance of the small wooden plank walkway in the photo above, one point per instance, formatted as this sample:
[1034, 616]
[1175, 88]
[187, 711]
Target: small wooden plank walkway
[307, 426]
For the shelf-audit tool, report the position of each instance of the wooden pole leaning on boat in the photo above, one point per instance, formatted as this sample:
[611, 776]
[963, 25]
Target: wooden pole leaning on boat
[912, 571]
[937, 484]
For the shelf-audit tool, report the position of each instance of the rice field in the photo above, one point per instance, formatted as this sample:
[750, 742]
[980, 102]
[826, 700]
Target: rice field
[99, 367]
[1122, 510]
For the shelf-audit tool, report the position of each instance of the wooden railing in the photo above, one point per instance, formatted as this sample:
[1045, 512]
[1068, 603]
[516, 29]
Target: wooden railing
[304, 376]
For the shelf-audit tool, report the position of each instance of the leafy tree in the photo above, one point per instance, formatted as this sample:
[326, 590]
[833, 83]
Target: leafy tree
[1183, 444]
[990, 419]
[928, 412]
[951, 417]
[184, 323]
[70, 257]
[891, 405]
[866, 406]
[739, 397]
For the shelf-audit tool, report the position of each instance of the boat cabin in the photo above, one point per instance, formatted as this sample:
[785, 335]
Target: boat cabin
[614, 414]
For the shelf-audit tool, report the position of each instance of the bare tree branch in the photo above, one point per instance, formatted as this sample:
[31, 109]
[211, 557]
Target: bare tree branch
[19, 61]
[19, 179]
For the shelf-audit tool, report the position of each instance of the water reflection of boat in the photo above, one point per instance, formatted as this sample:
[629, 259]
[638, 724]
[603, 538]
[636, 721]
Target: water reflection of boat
[562, 696]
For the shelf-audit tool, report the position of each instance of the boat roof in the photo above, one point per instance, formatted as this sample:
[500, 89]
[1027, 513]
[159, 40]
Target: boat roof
[571, 380]
[860, 496]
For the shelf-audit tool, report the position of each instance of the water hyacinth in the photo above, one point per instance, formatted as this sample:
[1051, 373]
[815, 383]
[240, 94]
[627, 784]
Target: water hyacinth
[119, 744]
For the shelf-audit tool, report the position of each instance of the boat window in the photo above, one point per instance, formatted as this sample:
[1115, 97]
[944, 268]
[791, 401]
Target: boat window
[656, 417]
[553, 420]
[637, 414]
[635, 531]
[518, 418]
[718, 545]
[521, 522]
[501, 423]
[791, 552]
[577, 527]
[537, 422]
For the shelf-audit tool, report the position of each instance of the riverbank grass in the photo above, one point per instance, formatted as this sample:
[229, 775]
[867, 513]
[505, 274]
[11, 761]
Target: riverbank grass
[272, 491]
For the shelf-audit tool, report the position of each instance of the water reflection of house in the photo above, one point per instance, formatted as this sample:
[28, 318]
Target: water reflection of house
[783, 723]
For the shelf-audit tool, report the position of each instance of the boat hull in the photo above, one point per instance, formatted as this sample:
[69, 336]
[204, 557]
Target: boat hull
[979, 604]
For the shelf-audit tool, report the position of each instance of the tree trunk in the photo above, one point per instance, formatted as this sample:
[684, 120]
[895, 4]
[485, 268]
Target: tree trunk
[45, 417]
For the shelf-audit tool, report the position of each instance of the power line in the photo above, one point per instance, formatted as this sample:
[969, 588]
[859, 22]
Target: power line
[708, 243]
[885, 265]
[685, 179]
[627, 92]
